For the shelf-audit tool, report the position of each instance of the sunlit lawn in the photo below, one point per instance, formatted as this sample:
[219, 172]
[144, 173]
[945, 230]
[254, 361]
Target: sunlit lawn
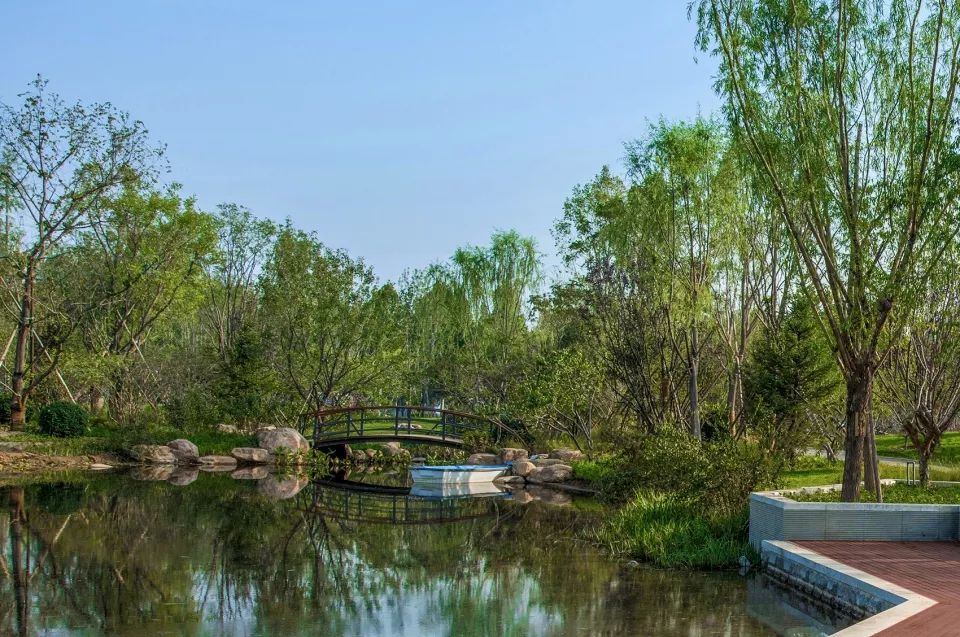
[898, 446]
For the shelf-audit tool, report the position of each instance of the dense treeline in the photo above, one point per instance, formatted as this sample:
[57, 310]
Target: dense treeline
[783, 276]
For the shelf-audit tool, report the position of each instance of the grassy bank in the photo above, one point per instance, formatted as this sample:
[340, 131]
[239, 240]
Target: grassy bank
[105, 439]
[670, 533]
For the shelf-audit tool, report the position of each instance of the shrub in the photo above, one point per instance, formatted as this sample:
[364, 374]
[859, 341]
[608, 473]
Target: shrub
[718, 476]
[63, 419]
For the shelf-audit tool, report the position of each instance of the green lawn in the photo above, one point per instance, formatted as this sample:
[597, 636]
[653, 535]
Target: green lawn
[818, 472]
[898, 446]
[896, 494]
[117, 440]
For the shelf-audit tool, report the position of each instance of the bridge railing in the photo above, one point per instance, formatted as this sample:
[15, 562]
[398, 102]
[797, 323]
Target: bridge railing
[343, 423]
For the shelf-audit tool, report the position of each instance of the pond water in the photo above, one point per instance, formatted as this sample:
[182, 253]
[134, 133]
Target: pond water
[210, 555]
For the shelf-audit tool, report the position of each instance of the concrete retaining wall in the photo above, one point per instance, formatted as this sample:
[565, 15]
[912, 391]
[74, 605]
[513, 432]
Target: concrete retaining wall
[774, 516]
[877, 603]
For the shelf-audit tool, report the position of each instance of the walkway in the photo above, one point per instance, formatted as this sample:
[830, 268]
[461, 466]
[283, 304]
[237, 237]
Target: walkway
[931, 569]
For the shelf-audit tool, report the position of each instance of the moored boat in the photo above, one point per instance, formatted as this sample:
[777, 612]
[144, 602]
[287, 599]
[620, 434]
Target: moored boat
[458, 473]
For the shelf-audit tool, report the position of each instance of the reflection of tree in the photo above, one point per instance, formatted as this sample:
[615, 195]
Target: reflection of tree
[131, 558]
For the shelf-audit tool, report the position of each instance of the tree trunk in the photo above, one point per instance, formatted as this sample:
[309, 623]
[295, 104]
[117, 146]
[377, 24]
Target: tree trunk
[925, 467]
[18, 403]
[693, 381]
[871, 464]
[859, 388]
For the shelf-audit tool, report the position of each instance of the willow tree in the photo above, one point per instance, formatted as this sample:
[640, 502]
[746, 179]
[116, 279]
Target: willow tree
[469, 320]
[849, 109]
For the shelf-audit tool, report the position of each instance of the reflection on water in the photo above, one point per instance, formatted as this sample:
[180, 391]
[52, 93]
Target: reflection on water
[108, 554]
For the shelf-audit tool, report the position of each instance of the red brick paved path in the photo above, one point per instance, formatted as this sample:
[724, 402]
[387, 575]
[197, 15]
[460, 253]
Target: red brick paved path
[931, 569]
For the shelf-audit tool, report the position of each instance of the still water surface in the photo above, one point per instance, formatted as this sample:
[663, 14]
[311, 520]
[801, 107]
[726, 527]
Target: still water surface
[210, 555]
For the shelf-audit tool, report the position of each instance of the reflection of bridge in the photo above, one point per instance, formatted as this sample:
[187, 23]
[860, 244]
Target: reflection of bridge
[429, 425]
[376, 504]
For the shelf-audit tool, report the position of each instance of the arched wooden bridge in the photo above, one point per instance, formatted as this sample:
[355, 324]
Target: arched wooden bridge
[429, 425]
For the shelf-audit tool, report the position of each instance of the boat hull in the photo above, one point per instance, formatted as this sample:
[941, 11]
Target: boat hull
[458, 474]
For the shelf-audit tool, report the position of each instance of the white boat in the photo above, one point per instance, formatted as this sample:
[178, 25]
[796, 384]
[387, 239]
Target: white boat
[458, 473]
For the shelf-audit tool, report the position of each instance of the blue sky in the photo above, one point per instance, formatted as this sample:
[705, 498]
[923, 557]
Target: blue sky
[397, 130]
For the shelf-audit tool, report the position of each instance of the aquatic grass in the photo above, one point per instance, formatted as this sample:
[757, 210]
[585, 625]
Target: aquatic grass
[673, 533]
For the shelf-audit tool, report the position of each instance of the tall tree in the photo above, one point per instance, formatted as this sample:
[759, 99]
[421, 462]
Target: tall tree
[849, 109]
[334, 330]
[60, 161]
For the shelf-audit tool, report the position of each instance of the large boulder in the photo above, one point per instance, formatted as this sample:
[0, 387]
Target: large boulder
[218, 463]
[154, 454]
[566, 455]
[391, 449]
[523, 468]
[272, 438]
[510, 454]
[483, 458]
[553, 473]
[251, 455]
[546, 462]
[185, 451]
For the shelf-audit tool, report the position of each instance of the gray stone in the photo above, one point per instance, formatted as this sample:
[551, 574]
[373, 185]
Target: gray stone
[358, 455]
[154, 454]
[482, 458]
[371, 454]
[281, 488]
[508, 454]
[182, 476]
[185, 451]
[509, 480]
[567, 455]
[523, 468]
[227, 429]
[392, 449]
[553, 473]
[273, 438]
[250, 473]
[251, 455]
[546, 462]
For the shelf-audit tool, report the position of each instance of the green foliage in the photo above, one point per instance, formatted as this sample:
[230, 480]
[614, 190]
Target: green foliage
[674, 533]
[63, 419]
[717, 476]
[791, 374]
[476, 441]
[332, 327]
